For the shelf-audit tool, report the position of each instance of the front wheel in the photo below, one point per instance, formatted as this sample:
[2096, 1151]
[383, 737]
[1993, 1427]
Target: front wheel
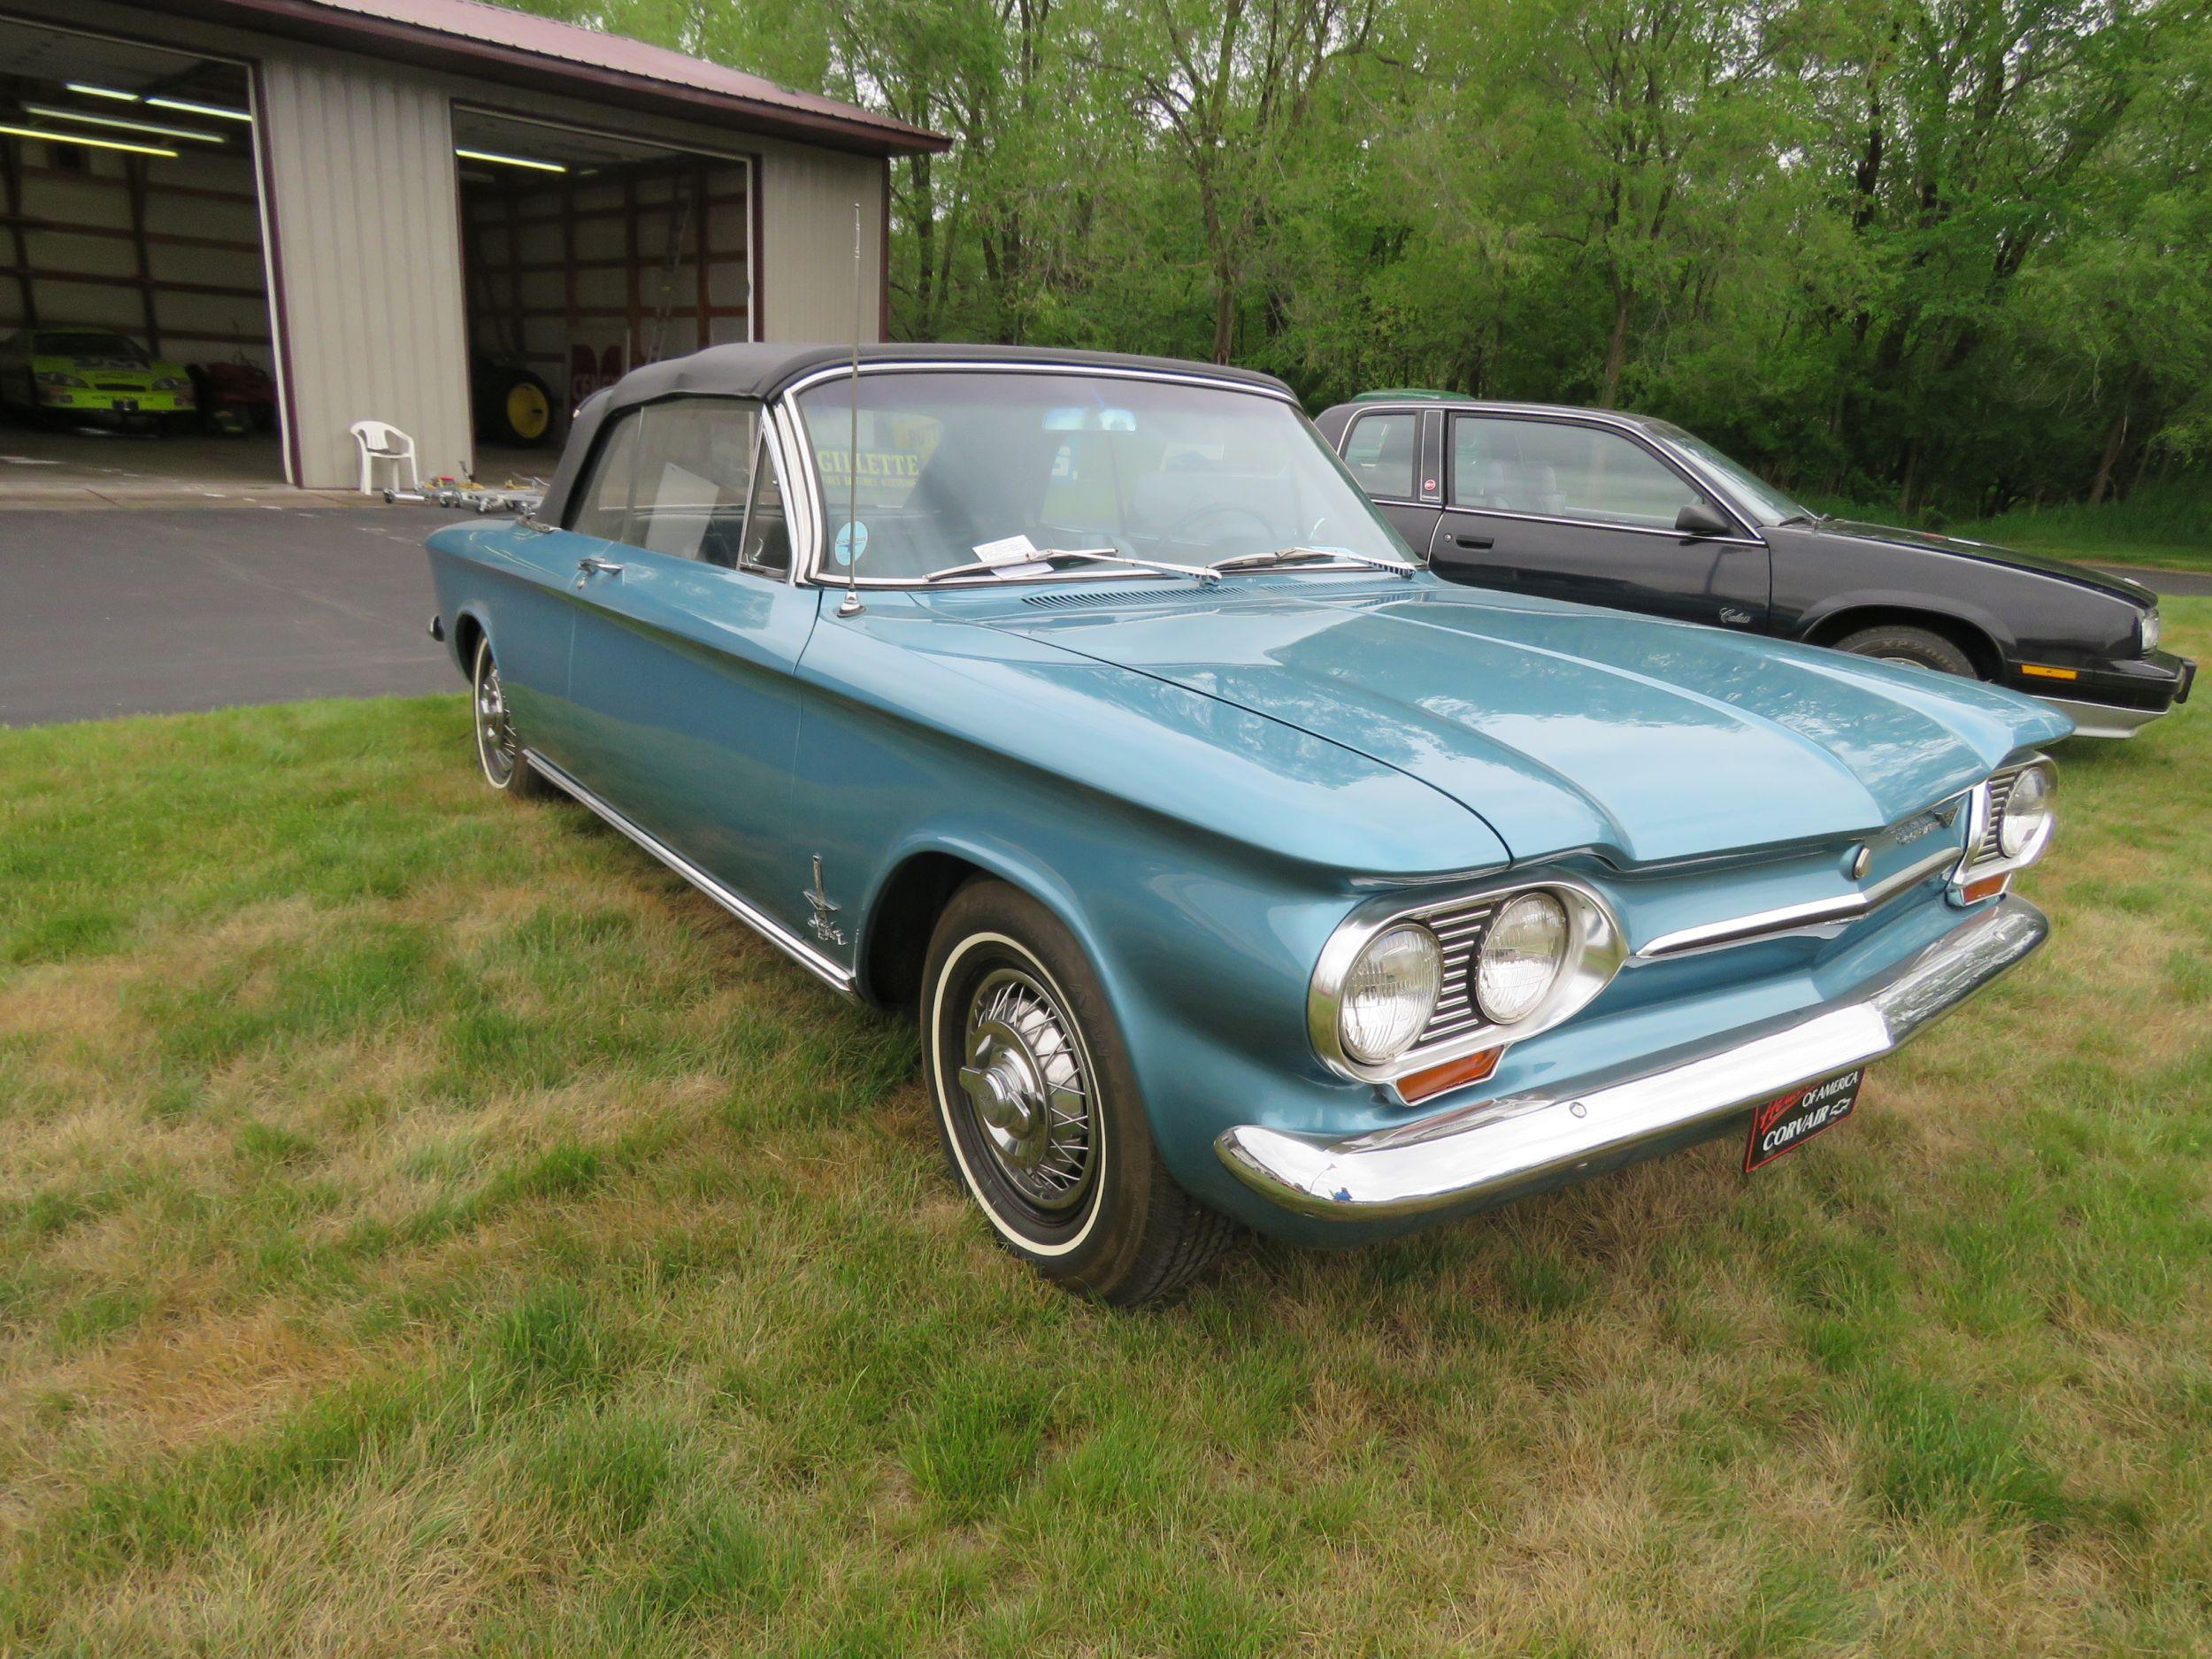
[1039, 1111]
[1917, 646]
[499, 750]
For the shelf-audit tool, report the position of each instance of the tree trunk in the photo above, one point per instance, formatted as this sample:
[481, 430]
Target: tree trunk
[2115, 438]
[1616, 348]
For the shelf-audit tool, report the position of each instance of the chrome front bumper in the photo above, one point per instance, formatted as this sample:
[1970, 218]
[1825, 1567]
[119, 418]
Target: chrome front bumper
[1472, 1156]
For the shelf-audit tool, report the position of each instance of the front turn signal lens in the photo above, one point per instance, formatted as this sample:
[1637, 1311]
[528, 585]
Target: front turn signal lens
[1417, 1087]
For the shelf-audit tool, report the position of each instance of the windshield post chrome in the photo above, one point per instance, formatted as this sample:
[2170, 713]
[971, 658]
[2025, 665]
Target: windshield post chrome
[849, 605]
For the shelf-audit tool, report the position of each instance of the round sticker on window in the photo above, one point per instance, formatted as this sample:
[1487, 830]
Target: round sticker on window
[852, 541]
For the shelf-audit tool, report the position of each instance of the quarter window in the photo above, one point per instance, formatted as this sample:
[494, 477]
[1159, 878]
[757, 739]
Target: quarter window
[674, 479]
[1565, 471]
[603, 506]
[767, 534]
[1381, 451]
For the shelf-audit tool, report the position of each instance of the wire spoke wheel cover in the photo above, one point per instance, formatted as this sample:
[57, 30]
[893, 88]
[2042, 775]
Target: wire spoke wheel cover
[1023, 1078]
[495, 743]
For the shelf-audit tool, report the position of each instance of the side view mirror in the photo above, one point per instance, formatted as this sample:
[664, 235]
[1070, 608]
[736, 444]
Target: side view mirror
[1702, 518]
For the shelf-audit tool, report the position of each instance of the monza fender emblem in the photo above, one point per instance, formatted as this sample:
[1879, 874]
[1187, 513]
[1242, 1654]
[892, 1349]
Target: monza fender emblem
[823, 923]
[1920, 824]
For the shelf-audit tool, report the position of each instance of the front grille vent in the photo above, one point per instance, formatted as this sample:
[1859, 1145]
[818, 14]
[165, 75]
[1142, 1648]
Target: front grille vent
[1991, 847]
[1459, 928]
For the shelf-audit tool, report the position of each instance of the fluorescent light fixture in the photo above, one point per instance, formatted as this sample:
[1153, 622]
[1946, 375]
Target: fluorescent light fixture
[191, 108]
[509, 161]
[56, 112]
[92, 143]
[91, 91]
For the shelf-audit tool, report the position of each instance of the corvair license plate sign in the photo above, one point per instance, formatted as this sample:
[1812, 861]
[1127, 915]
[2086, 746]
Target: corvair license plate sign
[1792, 1119]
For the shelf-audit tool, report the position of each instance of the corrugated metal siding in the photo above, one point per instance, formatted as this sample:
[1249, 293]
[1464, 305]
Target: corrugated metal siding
[807, 198]
[361, 191]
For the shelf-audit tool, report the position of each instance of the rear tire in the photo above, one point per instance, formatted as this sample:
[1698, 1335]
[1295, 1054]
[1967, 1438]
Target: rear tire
[500, 754]
[1918, 647]
[1038, 1109]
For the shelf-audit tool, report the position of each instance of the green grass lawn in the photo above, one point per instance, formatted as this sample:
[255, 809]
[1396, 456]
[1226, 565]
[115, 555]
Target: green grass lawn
[426, 1226]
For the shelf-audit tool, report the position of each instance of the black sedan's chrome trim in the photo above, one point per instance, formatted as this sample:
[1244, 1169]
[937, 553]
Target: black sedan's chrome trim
[2103, 719]
[837, 977]
[1494, 1150]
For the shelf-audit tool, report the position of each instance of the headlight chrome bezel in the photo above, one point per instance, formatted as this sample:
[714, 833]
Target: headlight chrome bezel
[1596, 948]
[1987, 864]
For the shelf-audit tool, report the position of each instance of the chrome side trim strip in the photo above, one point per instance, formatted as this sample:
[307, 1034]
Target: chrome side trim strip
[1499, 1149]
[2103, 719]
[837, 977]
[1791, 918]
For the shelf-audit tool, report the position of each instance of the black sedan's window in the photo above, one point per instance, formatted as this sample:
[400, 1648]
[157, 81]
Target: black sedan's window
[1556, 469]
[1380, 449]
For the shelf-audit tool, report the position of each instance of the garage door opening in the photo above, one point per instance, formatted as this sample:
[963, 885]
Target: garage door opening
[136, 351]
[584, 255]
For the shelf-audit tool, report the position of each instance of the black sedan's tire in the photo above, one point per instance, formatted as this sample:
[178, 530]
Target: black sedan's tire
[1038, 1109]
[1920, 647]
[499, 751]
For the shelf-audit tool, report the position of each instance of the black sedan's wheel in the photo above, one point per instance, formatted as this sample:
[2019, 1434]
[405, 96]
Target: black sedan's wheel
[1918, 647]
[498, 749]
[1038, 1111]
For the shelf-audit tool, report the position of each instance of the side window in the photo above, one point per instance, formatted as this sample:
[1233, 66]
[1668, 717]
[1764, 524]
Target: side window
[767, 536]
[1562, 470]
[1381, 451]
[602, 505]
[694, 471]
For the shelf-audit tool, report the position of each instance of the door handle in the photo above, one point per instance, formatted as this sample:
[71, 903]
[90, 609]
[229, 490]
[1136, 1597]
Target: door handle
[592, 565]
[1476, 542]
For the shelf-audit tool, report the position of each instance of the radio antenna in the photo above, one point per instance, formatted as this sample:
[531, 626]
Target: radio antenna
[849, 605]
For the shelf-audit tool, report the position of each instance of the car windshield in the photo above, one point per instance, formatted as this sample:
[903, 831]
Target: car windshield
[976, 468]
[89, 345]
[1761, 500]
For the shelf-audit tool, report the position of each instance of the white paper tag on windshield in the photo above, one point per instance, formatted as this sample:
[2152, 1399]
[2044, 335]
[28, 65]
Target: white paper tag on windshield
[1013, 549]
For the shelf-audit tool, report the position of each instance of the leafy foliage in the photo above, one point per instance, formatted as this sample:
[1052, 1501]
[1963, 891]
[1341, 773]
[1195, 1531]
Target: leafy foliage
[1949, 255]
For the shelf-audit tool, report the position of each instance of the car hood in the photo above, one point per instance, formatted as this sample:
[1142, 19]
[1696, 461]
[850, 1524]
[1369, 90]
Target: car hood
[1987, 552]
[1565, 727]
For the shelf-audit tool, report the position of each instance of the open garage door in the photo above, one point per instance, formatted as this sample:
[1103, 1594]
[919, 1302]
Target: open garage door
[134, 295]
[586, 254]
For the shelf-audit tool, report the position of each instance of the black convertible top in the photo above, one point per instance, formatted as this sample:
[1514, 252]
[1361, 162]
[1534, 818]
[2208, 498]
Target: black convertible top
[764, 369]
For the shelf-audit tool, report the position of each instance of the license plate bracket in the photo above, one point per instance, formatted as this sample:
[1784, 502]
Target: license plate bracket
[1788, 1121]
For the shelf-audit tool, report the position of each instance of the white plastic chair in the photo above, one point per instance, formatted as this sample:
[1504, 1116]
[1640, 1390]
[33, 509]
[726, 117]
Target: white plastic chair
[379, 441]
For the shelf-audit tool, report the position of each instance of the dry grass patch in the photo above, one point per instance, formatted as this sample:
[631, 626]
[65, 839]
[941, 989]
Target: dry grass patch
[430, 1228]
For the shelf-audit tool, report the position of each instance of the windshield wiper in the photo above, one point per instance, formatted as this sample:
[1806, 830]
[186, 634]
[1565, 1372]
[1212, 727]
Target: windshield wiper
[1204, 575]
[1292, 555]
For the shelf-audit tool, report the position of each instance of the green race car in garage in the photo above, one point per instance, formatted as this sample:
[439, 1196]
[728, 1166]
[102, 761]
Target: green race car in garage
[84, 373]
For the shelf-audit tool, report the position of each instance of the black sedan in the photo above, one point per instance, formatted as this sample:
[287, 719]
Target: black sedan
[1618, 510]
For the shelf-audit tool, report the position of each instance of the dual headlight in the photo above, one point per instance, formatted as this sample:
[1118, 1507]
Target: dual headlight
[2026, 824]
[57, 377]
[171, 383]
[1542, 953]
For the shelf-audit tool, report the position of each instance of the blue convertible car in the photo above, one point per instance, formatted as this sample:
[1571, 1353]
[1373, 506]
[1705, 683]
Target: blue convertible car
[1237, 868]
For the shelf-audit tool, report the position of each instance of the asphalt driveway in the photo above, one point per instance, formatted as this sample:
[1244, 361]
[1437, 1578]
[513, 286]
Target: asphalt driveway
[159, 609]
[106, 612]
